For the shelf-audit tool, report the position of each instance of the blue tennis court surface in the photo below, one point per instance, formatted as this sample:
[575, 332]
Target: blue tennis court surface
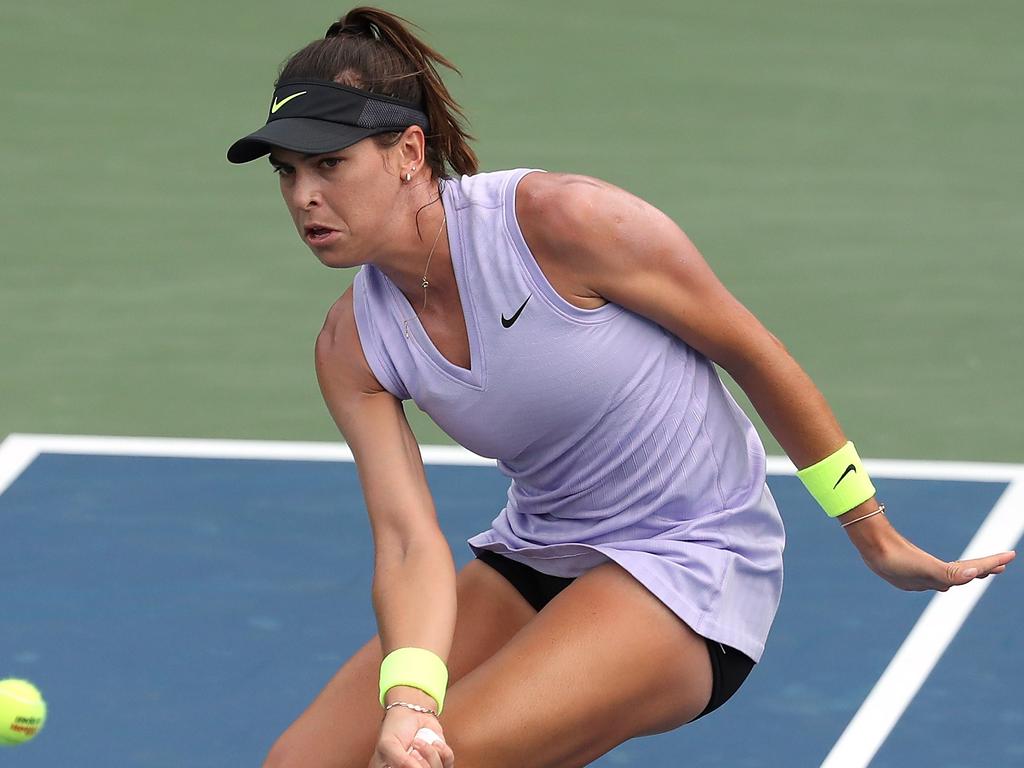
[182, 611]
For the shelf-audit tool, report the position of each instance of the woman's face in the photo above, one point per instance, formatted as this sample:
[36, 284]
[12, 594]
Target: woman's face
[340, 201]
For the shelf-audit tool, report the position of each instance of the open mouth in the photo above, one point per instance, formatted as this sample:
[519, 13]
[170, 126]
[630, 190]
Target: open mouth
[318, 235]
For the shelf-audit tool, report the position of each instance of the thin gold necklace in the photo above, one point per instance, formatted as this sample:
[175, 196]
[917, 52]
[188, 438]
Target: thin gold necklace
[426, 283]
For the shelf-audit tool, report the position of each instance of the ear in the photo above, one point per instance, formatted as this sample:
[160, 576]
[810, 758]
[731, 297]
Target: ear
[412, 149]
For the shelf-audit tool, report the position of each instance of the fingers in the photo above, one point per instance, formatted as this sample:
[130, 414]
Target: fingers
[436, 755]
[438, 747]
[429, 750]
[413, 759]
[983, 566]
[997, 569]
[958, 572]
[394, 756]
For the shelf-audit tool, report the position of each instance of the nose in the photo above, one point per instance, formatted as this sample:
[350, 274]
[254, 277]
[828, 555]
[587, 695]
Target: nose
[306, 193]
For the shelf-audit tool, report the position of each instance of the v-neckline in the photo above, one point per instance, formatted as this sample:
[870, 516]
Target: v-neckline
[413, 327]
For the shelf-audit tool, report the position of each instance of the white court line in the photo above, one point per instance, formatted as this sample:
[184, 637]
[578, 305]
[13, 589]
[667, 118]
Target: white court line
[927, 641]
[175, 447]
[885, 704]
[442, 454]
[16, 454]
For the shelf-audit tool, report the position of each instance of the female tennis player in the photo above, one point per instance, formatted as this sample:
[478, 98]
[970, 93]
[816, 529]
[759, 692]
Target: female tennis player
[567, 329]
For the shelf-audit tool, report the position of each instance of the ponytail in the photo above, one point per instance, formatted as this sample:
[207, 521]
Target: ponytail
[375, 50]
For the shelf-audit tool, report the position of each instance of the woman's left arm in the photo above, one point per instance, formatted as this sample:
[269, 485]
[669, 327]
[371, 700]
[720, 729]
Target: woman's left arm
[620, 248]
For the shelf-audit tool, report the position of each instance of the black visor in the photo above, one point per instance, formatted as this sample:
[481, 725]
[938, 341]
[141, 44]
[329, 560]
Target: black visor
[315, 116]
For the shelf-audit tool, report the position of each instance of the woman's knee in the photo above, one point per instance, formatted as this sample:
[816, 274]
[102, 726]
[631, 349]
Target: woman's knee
[339, 725]
[295, 749]
[279, 754]
[343, 721]
[282, 753]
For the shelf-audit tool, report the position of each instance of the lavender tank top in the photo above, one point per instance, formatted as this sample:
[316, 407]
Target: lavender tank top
[620, 440]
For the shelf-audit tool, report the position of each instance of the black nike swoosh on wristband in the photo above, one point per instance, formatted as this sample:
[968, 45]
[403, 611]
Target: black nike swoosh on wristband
[508, 323]
[849, 469]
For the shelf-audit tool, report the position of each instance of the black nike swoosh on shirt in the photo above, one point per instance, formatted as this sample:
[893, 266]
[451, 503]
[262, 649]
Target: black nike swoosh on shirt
[508, 322]
[849, 469]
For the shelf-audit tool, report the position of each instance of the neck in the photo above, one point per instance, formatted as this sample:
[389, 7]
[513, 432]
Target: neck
[406, 264]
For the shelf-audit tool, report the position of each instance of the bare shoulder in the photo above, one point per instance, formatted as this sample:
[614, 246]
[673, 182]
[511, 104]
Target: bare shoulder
[340, 362]
[545, 200]
[588, 227]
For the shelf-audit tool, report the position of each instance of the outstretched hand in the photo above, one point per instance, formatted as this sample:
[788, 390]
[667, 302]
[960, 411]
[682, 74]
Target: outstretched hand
[908, 567]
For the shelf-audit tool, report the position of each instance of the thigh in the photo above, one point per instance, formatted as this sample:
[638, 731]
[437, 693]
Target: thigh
[603, 662]
[339, 729]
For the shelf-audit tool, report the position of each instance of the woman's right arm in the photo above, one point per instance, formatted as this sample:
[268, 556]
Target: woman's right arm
[414, 574]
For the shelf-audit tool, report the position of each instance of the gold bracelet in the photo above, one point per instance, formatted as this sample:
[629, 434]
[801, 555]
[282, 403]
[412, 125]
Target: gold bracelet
[880, 510]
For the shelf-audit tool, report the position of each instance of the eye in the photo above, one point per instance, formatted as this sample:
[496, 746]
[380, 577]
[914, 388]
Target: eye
[281, 170]
[330, 162]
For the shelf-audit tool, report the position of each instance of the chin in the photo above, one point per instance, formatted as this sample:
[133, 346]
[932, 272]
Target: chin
[332, 259]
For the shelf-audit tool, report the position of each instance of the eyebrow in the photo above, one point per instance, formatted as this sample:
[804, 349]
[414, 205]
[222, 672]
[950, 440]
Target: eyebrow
[275, 161]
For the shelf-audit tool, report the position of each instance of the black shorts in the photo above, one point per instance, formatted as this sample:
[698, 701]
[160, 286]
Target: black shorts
[729, 667]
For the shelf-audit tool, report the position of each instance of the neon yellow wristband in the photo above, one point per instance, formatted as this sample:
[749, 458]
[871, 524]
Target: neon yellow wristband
[416, 668]
[839, 482]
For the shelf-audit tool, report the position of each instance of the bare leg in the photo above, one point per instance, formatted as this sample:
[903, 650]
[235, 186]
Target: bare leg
[603, 662]
[340, 727]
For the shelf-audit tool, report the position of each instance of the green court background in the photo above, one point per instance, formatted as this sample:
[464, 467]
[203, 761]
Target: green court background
[852, 170]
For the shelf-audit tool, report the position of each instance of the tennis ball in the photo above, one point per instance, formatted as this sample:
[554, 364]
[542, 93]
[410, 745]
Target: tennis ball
[427, 735]
[22, 711]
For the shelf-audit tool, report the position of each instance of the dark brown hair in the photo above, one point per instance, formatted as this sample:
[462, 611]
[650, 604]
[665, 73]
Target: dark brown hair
[376, 51]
